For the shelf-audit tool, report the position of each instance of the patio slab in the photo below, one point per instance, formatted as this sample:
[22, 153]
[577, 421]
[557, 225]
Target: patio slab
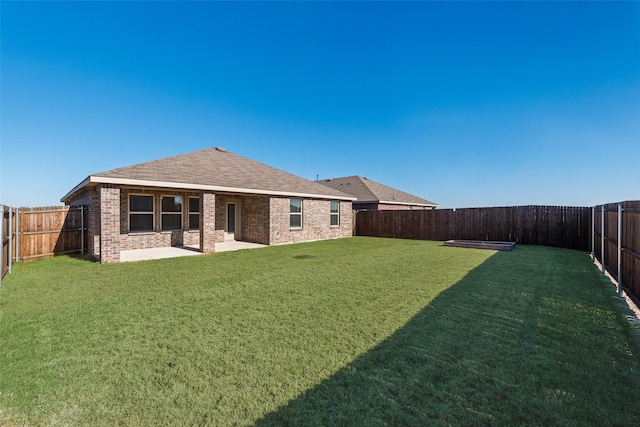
[173, 252]
[233, 245]
[157, 253]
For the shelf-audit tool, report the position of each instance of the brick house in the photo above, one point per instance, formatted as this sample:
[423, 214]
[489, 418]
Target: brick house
[204, 197]
[372, 195]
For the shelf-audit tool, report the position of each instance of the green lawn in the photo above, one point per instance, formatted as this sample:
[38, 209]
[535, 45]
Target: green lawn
[358, 331]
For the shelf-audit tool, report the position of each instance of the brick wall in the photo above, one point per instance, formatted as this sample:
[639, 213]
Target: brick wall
[157, 238]
[253, 224]
[109, 223]
[93, 226]
[91, 200]
[208, 234]
[262, 219]
[255, 219]
[315, 221]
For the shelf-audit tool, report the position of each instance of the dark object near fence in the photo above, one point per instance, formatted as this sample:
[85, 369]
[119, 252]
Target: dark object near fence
[478, 244]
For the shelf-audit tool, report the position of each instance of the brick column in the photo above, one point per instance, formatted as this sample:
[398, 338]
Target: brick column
[93, 228]
[109, 223]
[208, 223]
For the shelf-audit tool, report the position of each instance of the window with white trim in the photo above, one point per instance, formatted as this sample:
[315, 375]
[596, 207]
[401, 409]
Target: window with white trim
[171, 213]
[194, 213]
[140, 213]
[335, 213]
[295, 213]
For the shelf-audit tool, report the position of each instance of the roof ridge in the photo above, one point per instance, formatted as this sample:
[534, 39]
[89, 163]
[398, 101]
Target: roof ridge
[213, 168]
[160, 160]
[373, 191]
[363, 179]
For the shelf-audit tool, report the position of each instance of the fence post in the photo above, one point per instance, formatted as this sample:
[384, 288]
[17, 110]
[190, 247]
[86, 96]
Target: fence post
[619, 248]
[593, 233]
[17, 234]
[603, 238]
[10, 251]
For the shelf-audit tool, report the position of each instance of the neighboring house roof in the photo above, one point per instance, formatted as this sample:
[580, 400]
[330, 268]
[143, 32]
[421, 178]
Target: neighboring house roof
[368, 191]
[212, 169]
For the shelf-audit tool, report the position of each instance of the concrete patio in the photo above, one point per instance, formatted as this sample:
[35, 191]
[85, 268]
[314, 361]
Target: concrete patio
[173, 252]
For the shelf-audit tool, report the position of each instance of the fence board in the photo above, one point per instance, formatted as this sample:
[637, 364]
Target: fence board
[631, 249]
[558, 226]
[40, 233]
[48, 231]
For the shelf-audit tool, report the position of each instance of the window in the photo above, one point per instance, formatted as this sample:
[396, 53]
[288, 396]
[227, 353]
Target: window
[295, 213]
[194, 213]
[335, 213]
[140, 213]
[171, 213]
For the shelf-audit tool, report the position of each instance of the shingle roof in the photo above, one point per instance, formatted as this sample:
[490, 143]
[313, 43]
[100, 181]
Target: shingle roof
[213, 169]
[370, 191]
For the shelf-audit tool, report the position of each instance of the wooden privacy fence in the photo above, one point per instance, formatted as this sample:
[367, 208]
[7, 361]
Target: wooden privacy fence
[49, 231]
[34, 233]
[558, 226]
[616, 243]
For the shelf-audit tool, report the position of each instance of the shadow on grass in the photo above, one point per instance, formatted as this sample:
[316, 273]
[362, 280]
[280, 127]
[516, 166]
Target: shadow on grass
[83, 257]
[528, 337]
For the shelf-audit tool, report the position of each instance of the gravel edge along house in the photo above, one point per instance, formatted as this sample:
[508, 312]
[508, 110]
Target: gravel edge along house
[203, 197]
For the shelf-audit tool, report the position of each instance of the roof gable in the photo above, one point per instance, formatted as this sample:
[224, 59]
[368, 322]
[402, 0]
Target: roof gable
[214, 169]
[367, 190]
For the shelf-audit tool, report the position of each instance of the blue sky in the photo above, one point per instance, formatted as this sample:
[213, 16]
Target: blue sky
[463, 103]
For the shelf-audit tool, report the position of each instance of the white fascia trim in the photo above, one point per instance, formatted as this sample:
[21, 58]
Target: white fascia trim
[163, 184]
[395, 202]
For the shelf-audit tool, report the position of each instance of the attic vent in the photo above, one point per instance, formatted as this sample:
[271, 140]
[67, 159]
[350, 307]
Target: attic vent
[221, 149]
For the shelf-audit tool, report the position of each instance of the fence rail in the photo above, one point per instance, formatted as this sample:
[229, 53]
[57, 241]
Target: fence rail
[558, 226]
[34, 233]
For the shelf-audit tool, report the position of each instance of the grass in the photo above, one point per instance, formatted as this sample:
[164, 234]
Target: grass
[358, 331]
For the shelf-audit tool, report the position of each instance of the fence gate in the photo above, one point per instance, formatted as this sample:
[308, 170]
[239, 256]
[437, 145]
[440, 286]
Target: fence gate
[34, 233]
[49, 231]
